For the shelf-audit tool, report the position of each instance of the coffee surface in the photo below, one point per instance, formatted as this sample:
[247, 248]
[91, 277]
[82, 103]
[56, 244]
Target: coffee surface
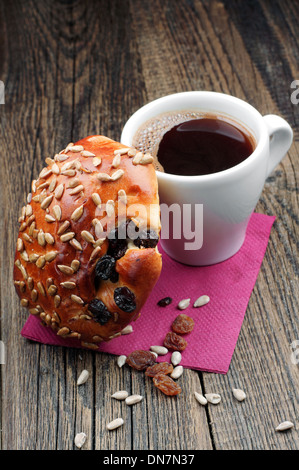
[200, 145]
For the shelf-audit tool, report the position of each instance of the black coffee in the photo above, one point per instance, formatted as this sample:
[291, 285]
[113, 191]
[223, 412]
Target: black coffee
[197, 146]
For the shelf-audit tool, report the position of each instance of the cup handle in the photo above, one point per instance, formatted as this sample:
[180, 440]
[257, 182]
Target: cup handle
[281, 137]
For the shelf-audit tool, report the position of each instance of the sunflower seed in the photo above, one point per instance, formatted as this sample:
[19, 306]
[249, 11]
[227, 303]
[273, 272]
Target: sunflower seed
[28, 210]
[33, 186]
[133, 399]
[61, 158]
[117, 174]
[41, 238]
[27, 238]
[96, 199]
[33, 257]
[41, 288]
[177, 372]
[77, 299]
[116, 423]
[95, 253]
[50, 218]
[55, 169]
[83, 377]
[147, 158]
[46, 202]
[103, 177]
[183, 304]
[30, 283]
[99, 242]
[65, 269]
[200, 398]
[284, 426]
[73, 183]
[66, 237]
[116, 161]
[24, 255]
[75, 265]
[239, 394]
[68, 285]
[31, 228]
[160, 350]
[57, 300]
[20, 244]
[57, 212]
[75, 244]
[77, 213]
[49, 161]
[202, 300]
[34, 311]
[137, 158]
[77, 189]
[132, 152]
[127, 330]
[121, 151]
[68, 172]
[63, 331]
[51, 255]
[63, 227]
[96, 161]
[34, 295]
[80, 439]
[24, 302]
[92, 346]
[87, 236]
[41, 261]
[52, 290]
[36, 198]
[76, 148]
[86, 153]
[59, 191]
[176, 358]
[213, 398]
[122, 197]
[49, 239]
[121, 360]
[120, 395]
[110, 207]
[45, 173]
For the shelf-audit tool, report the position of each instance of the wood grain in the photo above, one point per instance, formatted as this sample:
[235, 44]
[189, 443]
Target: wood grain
[74, 68]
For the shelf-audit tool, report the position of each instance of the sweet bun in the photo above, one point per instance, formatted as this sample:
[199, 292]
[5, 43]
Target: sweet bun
[86, 257]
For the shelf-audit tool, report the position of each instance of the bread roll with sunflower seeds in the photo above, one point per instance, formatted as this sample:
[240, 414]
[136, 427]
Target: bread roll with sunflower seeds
[86, 256]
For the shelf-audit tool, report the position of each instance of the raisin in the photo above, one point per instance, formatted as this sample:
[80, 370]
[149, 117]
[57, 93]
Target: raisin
[118, 238]
[147, 239]
[166, 385]
[161, 368]
[174, 342]
[99, 311]
[141, 360]
[125, 299]
[105, 268]
[164, 302]
[183, 324]
[117, 246]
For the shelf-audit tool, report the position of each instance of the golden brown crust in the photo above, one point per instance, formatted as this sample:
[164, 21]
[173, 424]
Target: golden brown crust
[59, 243]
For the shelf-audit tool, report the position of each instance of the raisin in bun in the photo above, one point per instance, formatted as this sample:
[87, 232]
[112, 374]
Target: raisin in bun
[86, 257]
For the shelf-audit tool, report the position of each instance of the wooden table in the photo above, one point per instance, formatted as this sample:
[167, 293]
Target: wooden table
[74, 68]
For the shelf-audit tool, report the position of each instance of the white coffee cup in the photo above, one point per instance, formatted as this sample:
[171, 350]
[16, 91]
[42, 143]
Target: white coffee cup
[228, 197]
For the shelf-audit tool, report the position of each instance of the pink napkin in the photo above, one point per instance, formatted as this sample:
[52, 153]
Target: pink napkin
[217, 324]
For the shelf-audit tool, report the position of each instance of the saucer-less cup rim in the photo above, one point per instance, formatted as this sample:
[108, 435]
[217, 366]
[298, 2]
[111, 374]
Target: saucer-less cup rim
[137, 119]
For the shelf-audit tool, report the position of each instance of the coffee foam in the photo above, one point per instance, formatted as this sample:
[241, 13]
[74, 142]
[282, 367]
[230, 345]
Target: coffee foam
[150, 134]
